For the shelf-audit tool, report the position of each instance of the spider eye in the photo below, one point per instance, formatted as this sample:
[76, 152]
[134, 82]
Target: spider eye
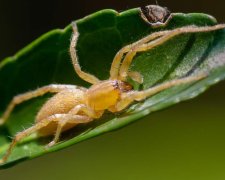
[125, 86]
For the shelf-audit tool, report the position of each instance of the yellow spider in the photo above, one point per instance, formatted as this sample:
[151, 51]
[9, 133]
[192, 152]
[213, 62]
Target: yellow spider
[73, 105]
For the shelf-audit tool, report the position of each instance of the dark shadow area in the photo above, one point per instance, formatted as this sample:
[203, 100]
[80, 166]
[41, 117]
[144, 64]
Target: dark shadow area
[183, 53]
[23, 21]
[204, 55]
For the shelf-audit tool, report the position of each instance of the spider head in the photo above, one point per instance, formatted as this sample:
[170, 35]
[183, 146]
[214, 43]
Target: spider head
[105, 94]
[123, 86]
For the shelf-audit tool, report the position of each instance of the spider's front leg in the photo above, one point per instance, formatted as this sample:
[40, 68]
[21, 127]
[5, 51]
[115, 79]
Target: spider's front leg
[114, 71]
[129, 97]
[163, 36]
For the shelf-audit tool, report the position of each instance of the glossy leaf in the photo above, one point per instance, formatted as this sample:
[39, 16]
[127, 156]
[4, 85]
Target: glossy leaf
[102, 34]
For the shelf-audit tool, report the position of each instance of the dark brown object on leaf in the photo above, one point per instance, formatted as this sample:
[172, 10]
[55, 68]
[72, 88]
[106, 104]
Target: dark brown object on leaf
[155, 15]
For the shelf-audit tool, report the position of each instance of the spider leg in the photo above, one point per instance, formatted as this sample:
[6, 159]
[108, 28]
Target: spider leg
[86, 110]
[36, 127]
[123, 72]
[83, 75]
[136, 76]
[61, 118]
[128, 98]
[65, 119]
[53, 88]
[114, 71]
[90, 114]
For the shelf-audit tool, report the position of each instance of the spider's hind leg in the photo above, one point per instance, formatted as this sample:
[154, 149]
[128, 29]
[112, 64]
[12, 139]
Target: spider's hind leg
[53, 88]
[22, 135]
[71, 118]
[62, 119]
[67, 119]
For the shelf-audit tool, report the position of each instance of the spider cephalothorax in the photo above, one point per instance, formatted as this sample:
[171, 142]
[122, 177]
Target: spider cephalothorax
[73, 105]
[106, 94]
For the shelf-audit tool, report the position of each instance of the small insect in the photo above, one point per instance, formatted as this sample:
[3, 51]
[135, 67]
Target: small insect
[155, 15]
[73, 105]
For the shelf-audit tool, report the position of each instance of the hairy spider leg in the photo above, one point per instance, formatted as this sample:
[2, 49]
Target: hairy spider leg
[77, 109]
[128, 98]
[83, 75]
[114, 71]
[53, 88]
[64, 118]
[124, 69]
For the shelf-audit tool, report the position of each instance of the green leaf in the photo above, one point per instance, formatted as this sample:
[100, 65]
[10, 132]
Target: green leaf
[102, 34]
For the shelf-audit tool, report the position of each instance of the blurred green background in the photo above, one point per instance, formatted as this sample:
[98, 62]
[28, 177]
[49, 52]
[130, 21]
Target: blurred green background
[185, 142]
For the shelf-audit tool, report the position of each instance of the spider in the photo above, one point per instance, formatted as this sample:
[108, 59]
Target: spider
[73, 105]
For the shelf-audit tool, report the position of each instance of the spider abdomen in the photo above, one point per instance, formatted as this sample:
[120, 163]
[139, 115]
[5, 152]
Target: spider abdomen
[61, 103]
